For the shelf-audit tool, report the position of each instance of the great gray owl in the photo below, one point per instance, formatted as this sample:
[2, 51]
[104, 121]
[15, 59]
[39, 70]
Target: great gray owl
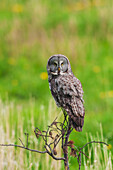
[66, 89]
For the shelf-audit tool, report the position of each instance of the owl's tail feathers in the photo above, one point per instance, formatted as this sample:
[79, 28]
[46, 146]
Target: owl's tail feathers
[78, 123]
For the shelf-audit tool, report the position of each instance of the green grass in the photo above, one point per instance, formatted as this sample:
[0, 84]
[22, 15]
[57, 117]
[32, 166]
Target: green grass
[30, 32]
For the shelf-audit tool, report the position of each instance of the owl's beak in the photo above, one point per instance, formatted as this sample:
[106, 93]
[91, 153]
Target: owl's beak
[58, 69]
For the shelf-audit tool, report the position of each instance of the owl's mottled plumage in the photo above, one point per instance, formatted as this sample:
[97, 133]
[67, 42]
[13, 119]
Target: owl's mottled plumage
[66, 89]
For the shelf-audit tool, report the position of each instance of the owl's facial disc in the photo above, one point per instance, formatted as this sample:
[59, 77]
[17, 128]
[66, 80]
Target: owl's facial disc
[58, 65]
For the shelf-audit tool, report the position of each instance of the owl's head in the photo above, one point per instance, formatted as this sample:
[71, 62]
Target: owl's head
[58, 65]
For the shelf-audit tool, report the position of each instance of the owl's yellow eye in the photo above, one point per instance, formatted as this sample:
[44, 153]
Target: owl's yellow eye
[62, 64]
[55, 64]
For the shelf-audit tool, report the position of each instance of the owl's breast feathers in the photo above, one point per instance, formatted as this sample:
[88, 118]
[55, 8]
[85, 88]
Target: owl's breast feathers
[68, 94]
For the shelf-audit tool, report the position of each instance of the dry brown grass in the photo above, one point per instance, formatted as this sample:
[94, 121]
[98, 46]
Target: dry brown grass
[16, 158]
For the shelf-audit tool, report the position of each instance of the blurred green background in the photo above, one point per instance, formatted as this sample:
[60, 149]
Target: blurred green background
[31, 31]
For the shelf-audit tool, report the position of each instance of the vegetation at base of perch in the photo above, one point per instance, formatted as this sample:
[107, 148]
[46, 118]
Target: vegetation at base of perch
[57, 132]
[10, 130]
